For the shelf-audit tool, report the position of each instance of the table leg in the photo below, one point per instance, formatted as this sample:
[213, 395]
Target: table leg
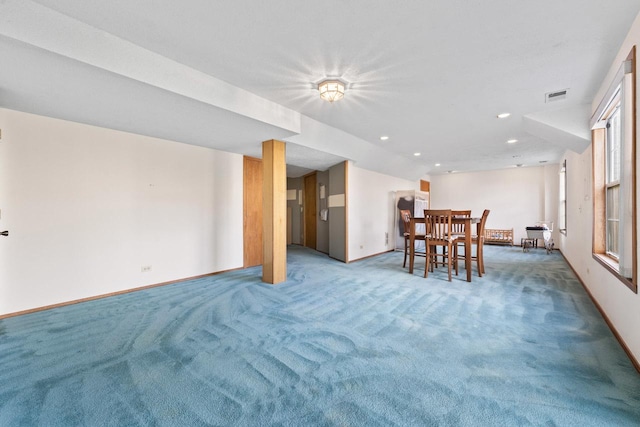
[467, 251]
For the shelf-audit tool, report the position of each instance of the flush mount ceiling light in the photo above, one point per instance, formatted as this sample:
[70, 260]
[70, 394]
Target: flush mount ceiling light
[416, 154]
[503, 115]
[384, 138]
[512, 141]
[331, 90]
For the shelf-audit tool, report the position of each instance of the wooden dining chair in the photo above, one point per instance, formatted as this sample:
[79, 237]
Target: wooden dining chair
[477, 240]
[405, 215]
[457, 229]
[438, 233]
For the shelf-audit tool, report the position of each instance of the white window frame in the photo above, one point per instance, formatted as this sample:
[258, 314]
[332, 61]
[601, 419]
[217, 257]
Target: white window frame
[613, 160]
[562, 202]
[615, 218]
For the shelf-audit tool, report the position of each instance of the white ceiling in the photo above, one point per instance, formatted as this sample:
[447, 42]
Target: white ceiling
[231, 74]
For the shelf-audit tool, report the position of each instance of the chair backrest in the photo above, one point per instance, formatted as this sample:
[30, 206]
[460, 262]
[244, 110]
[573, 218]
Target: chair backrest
[438, 222]
[461, 213]
[483, 221]
[458, 228]
[405, 216]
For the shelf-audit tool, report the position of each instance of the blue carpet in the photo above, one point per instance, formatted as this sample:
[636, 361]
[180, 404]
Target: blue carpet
[360, 344]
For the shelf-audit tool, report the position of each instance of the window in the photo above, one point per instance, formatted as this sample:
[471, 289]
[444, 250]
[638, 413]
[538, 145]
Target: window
[612, 182]
[614, 187]
[562, 205]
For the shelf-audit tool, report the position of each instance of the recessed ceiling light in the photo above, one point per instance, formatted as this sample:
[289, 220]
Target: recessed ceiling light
[503, 115]
[416, 154]
[512, 141]
[437, 164]
[384, 137]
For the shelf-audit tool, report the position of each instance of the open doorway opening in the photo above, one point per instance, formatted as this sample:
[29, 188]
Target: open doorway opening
[310, 211]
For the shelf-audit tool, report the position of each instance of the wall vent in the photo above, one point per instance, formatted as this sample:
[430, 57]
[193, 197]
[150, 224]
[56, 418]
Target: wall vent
[558, 95]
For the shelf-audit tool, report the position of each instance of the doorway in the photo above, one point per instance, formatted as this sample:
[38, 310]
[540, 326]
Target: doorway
[252, 223]
[310, 211]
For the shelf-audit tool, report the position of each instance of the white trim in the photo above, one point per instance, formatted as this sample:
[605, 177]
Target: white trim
[625, 68]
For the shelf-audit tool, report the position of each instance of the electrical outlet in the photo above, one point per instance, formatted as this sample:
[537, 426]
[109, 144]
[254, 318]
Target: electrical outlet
[145, 268]
[386, 238]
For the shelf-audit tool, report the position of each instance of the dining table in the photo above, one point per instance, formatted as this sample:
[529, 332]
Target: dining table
[467, 221]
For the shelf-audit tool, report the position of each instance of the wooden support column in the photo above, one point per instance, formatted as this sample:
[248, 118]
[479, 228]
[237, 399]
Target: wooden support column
[274, 207]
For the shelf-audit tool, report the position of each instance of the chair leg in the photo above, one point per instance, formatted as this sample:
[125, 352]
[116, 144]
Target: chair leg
[427, 259]
[455, 257]
[477, 259]
[480, 257]
[449, 261]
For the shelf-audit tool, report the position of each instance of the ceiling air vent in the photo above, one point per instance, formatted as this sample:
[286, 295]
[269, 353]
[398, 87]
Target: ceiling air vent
[555, 96]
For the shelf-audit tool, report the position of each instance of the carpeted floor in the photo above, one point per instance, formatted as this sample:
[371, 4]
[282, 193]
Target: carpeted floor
[363, 344]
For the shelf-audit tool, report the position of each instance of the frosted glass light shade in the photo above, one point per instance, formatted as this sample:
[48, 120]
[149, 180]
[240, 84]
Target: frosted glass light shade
[331, 90]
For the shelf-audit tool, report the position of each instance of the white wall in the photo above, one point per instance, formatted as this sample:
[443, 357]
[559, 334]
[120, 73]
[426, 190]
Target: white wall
[620, 304]
[87, 207]
[517, 197]
[371, 210]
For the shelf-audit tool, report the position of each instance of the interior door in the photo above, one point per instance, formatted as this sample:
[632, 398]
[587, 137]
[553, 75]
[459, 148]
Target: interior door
[425, 186]
[252, 224]
[310, 211]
